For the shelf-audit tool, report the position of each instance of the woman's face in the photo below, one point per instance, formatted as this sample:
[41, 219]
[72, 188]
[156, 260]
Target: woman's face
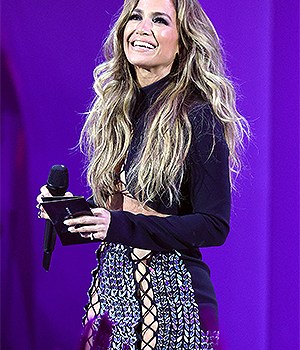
[151, 36]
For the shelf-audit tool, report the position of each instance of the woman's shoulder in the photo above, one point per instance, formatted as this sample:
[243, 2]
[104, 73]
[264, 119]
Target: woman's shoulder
[203, 119]
[207, 131]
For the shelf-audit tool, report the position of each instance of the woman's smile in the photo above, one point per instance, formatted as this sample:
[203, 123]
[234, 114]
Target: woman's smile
[142, 45]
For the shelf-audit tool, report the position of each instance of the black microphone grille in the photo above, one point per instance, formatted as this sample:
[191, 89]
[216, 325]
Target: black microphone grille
[58, 180]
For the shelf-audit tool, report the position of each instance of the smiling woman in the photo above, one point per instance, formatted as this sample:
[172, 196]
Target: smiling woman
[151, 40]
[162, 139]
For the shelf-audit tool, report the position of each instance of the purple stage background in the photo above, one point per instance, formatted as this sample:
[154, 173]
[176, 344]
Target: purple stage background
[47, 56]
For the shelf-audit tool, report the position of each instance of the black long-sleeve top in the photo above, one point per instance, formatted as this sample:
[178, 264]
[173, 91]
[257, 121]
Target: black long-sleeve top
[201, 218]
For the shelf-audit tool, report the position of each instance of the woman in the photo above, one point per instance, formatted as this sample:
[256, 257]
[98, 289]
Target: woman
[162, 139]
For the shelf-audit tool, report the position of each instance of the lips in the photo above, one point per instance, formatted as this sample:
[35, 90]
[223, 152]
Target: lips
[143, 44]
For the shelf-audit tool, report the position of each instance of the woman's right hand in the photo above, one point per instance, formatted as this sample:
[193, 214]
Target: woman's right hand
[44, 192]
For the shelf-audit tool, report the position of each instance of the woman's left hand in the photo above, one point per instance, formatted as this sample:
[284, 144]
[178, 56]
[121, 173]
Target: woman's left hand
[92, 227]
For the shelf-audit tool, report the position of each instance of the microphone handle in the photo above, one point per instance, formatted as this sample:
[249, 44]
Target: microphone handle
[49, 244]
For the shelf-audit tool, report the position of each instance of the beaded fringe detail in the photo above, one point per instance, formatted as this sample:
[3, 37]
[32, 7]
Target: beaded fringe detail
[159, 303]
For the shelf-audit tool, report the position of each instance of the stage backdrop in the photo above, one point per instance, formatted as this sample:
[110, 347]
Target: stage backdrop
[49, 50]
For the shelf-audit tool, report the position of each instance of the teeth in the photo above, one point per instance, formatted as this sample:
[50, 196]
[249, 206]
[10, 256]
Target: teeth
[143, 44]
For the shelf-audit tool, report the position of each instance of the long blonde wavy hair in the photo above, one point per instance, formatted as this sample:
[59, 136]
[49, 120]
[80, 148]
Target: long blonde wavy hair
[159, 167]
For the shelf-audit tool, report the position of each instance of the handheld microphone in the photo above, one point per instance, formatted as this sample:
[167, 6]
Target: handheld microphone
[57, 184]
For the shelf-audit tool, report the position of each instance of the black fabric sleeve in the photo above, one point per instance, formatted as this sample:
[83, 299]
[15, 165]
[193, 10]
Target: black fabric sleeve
[207, 224]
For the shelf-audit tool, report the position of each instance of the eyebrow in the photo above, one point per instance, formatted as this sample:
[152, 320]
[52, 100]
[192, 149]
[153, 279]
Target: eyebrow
[157, 13]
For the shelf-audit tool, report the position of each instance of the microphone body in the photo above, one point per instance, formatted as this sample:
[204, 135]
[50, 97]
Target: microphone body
[57, 184]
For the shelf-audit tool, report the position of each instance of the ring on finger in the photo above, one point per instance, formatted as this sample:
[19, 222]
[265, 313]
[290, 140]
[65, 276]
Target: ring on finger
[84, 235]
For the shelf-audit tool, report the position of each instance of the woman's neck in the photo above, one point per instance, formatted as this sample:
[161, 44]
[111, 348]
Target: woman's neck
[147, 77]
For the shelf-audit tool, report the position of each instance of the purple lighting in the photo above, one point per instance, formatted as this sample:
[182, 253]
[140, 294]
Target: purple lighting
[49, 50]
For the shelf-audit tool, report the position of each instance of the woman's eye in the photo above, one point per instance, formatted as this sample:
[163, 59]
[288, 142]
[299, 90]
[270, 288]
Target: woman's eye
[135, 17]
[160, 20]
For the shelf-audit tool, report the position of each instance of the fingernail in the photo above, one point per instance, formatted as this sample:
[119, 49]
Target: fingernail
[66, 222]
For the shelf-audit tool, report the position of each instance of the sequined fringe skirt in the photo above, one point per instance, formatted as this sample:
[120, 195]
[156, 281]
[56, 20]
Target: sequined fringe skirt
[143, 303]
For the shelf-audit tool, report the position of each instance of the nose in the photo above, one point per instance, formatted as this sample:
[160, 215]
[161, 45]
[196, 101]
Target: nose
[144, 27]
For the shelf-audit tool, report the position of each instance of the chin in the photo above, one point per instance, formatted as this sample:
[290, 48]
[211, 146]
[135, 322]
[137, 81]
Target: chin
[145, 64]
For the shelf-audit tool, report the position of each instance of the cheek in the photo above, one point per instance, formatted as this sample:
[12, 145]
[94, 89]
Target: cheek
[169, 40]
[126, 36]
[129, 29]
